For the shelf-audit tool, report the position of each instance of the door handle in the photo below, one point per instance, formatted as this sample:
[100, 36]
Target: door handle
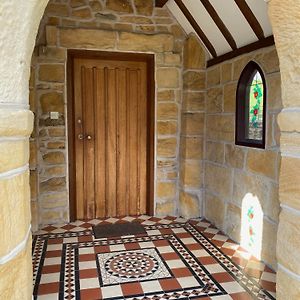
[81, 136]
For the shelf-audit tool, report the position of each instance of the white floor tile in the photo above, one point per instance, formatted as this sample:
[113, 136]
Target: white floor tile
[111, 291]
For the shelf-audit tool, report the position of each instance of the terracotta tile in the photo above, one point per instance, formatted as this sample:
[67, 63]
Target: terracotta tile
[161, 243]
[183, 235]
[228, 252]
[68, 227]
[132, 289]
[86, 238]
[193, 222]
[55, 241]
[49, 228]
[154, 219]
[170, 256]
[56, 253]
[181, 272]
[166, 231]
[90, 294]
[87, 225]
[207, 260]
[48, 288]
[194, 247]
[170, 218]
[223, 277]
[270, 286]
[132, 246]
[51, 269]
[208, 235]
[88, 273]
[86, 257]
[218, 243]
[101, 249]
[169, 284]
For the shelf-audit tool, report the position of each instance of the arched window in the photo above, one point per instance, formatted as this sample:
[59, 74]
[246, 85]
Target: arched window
[251, 107]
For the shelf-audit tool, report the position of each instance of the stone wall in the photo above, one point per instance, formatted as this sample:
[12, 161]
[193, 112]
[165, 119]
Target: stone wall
[285, 19]
[16, 45]
[236, 174]
[128, 26]
[192, 129]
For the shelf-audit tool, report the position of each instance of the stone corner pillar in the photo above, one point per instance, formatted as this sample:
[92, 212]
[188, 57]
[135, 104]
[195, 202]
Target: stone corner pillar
[285, 20]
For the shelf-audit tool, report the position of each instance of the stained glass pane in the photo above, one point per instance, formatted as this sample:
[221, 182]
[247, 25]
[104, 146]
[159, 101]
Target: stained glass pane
[256, 108]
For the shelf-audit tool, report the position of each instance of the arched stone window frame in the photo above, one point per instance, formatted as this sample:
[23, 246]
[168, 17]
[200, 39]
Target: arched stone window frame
[242, 98]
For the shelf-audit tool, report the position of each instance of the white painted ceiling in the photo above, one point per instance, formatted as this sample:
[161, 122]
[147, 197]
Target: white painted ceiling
[231, 16]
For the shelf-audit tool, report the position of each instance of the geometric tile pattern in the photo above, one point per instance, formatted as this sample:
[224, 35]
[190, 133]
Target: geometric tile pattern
[129, 266]
[175, 259]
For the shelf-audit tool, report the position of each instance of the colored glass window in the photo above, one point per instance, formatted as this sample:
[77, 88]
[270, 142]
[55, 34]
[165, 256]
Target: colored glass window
[256, 108]
[250, 110]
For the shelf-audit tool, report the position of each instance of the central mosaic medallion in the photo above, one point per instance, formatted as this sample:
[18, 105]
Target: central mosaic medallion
[133, 265]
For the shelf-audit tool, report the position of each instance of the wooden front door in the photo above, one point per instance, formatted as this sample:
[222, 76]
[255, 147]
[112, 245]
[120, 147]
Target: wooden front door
[111, 137]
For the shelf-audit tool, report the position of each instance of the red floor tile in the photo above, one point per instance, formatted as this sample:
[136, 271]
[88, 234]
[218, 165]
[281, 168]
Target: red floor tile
[51, 269]
[131, 289]
[56, 253]
[169, 284]
[48, 288]
[88, 273]
[181, 272]
[223, 277]
[91, 294]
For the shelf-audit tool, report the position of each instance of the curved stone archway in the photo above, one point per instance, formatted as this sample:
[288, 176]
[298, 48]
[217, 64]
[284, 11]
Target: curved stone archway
[19, 23]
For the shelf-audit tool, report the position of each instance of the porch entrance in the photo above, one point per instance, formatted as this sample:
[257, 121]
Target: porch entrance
[111, 135]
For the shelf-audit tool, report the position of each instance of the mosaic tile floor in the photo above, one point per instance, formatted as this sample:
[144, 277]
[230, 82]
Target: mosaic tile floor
[175, 259]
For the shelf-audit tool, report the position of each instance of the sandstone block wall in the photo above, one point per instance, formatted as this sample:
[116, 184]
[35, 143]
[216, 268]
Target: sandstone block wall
[128, 26]
[234, 173]
[192, 129]
[285, 19]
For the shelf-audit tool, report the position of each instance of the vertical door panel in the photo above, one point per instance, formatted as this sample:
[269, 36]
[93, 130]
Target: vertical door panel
[79, 72]
[111, 140]
[122, 178]
[132, 138]
[100, 138]
[89, 151]
[142, 98]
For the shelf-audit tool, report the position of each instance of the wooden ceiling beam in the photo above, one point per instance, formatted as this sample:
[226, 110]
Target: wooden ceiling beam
[196, 27]
[251, 19]
[266, 42]
[222, 27]
[160, 3]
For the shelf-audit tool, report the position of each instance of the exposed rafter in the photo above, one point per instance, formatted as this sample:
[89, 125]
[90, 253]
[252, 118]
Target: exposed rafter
[160, 3]
[214, 15]
[266, 42]
[196, 27]
[251, 19]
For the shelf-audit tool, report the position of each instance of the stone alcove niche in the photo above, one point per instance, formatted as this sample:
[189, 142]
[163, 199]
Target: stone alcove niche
[16, 121]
